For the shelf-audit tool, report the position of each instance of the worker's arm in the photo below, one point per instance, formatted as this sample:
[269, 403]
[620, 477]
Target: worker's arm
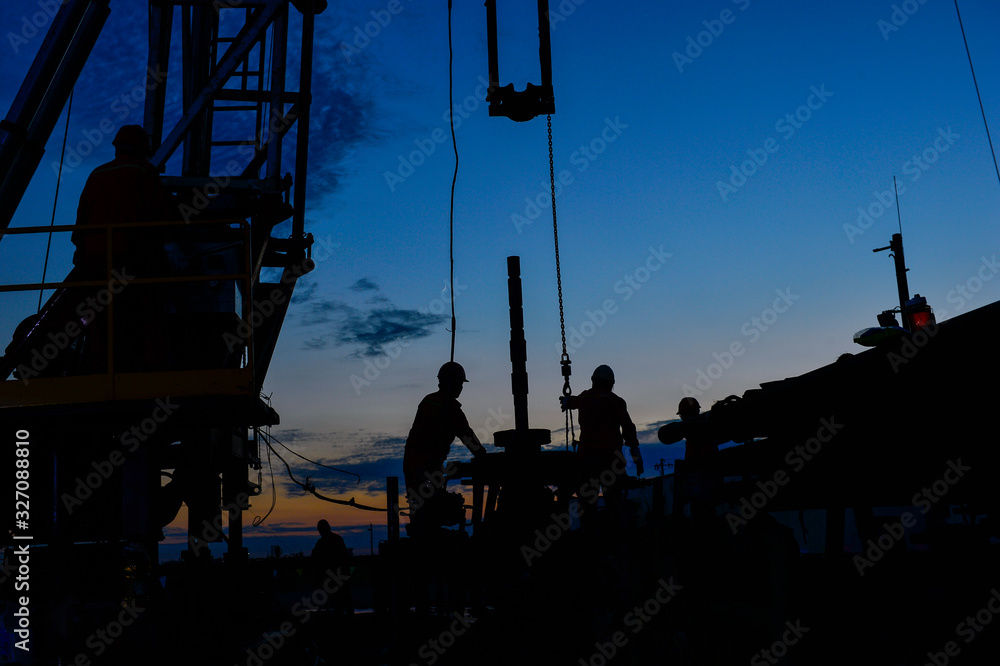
[631, 438]
[473, 444]
[569, 402]
[468, 436]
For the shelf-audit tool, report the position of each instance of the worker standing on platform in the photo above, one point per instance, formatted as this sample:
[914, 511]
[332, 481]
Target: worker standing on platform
[125, 190]
[605, 425]
[438, 422]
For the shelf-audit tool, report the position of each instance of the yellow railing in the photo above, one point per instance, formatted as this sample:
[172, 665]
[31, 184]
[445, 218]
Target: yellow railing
[113, 384]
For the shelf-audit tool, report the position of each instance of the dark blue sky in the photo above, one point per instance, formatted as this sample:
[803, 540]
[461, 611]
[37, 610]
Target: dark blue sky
[726, 167]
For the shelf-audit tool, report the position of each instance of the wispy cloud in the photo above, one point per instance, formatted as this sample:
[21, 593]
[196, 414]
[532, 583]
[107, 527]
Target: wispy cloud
[369, 327]
[371, 456]
[364, 284]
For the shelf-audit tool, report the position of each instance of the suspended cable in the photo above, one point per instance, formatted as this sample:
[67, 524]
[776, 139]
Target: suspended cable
[335, 469]
[976, 84]
[564, 361]
[310, 488]
[55, 199]
[259, 520]
[454, 178]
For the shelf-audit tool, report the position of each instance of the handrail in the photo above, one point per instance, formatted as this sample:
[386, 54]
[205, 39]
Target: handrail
[245, 277]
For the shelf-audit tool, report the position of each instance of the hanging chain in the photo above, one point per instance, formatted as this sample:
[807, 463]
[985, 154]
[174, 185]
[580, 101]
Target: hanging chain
[564, 360]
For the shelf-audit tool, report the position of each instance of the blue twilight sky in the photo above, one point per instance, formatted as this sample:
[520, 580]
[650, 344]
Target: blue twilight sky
[726, 169]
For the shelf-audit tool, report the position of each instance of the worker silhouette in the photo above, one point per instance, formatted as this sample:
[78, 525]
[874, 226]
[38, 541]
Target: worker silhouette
[125, 190]
[331, 562]
[605, 425]
[439, 420]
[700, 476]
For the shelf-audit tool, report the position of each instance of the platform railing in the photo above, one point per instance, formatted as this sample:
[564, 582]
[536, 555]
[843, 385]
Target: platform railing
[112, 382]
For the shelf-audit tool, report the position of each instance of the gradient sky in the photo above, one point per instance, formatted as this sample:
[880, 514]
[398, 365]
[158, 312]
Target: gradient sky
[657, 105]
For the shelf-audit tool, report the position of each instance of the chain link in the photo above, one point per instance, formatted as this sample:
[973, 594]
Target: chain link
[564, 360]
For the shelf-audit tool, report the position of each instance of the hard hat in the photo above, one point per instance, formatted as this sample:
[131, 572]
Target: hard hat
[452, 372]
[132, 137]
[688, 404]
[604, 372]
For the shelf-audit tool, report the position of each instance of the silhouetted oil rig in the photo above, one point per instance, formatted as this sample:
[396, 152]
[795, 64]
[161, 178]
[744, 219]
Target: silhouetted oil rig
[873, 449]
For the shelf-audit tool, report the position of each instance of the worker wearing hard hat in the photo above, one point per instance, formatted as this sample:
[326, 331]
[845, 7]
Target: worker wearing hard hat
[701, 482]
[438, 422]
[127, 189]
[123, 191]
[604, 426]
[700, 437]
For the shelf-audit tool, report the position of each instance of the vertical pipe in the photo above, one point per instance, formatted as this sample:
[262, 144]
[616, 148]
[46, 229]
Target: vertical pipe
[157, 64]
[302, 133]
[518, 346]
[896, 245]
[392, 507]
[279, 47]
[491, 40]
[544, 45]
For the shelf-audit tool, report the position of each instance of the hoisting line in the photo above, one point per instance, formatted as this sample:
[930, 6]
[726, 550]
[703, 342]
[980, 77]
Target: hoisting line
[976, 84]
[55, 199]
[564, 360]
[454, 177]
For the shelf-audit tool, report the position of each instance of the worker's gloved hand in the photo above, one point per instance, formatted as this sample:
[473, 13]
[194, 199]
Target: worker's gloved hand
[562, 402]
[637, 460]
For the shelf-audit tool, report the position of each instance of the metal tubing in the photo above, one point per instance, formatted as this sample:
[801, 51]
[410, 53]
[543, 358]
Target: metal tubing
[518, 346]
[904, 290]
[302, 133]
[491, 38]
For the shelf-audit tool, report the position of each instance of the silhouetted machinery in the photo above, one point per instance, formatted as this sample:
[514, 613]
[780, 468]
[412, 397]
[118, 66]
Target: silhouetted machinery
[140, 391]
[519, 478]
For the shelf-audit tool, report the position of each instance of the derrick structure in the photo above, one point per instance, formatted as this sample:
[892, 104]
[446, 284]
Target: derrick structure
[130, 415]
